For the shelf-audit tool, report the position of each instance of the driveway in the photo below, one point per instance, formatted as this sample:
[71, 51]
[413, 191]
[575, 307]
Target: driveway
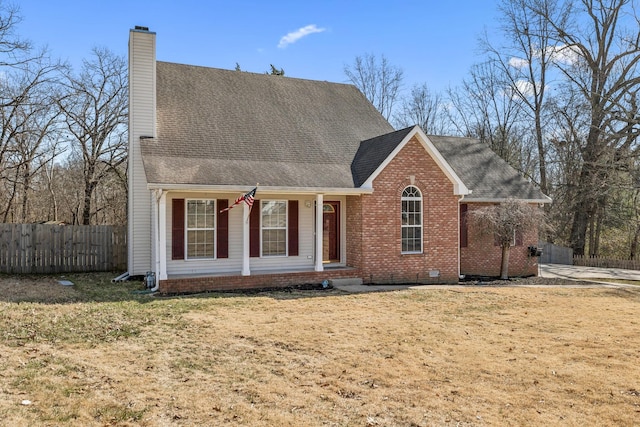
[586, 273]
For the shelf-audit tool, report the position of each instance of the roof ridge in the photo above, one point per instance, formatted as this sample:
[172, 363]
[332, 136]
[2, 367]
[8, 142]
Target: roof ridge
[253, 73]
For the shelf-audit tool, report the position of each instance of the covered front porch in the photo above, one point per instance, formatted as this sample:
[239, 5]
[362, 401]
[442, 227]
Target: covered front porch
[312, 239]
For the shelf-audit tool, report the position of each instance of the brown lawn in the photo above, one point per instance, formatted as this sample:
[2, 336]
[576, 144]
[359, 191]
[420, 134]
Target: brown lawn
[97, 354]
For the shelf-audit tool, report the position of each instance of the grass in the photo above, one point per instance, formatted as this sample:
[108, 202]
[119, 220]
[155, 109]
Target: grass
[624, 281]
[98, 354]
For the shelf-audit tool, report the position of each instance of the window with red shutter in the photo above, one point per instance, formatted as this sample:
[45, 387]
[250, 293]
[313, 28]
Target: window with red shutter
[222, 232]
[254, 229]
[177, 229]
[293, 228]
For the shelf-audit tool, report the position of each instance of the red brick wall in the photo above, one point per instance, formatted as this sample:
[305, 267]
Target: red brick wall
[354, 231]
[225, 283]
[482, 257]
[381, 260]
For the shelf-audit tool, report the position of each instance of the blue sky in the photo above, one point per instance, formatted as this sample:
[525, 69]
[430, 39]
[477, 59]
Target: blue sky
[434, 42]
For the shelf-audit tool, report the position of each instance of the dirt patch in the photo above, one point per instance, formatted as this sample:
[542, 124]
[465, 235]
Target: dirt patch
[46, 289]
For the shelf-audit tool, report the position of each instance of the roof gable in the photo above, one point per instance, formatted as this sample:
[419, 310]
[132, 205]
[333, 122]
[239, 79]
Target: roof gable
[373, 152]
[376, 153]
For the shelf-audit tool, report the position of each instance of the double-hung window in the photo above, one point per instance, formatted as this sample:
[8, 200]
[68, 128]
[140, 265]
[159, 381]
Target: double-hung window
[411, 220]
[274, 227]
[201, 215]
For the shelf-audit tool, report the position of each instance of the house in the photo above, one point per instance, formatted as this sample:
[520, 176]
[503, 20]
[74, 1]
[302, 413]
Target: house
[340, 195]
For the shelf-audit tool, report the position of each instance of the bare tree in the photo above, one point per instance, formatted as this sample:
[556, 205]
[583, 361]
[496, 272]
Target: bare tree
[95, 111]
[379, 81]
[27, 89]
[598, 55]
[485, 108]
[526, 62]
[504, 221]
[13, 49]
[564, 141]
[424, 108]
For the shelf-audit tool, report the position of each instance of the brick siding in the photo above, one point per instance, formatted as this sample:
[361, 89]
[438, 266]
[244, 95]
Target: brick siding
[276, 280]
[482, 257]
[374, 242]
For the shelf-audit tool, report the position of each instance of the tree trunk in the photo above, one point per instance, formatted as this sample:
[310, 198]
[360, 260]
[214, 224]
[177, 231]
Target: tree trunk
[54, 200]
[596, 238]
[634, 243]
[586, 192]
[592, 228]
[86, 209]
[5, 217]
[579, 228]
[542, 162]
[504, 266]
[25, 193]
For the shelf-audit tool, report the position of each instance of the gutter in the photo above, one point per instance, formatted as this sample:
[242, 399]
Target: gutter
[502, 199]
[262, 189]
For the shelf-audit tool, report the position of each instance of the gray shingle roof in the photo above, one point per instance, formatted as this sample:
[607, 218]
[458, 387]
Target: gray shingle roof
[483, 171]
[373, 152]
[222, 127]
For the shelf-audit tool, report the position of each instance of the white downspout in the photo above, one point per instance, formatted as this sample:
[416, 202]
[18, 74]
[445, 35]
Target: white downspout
[161, 238]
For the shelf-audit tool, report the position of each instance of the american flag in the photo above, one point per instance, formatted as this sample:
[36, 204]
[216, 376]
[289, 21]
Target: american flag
[248, 198]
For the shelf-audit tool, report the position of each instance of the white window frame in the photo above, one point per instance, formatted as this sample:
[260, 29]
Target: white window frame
[285, 227]
[187, 229]
[403, 226]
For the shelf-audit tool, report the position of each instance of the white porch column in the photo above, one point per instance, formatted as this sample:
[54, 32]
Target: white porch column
[319, 205]
[161, 272]
[246, 270]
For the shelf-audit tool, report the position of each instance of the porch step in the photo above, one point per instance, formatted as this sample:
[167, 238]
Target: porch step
[347, 281]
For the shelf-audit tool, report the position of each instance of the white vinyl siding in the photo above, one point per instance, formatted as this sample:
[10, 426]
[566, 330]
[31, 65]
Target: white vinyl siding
[233, 264]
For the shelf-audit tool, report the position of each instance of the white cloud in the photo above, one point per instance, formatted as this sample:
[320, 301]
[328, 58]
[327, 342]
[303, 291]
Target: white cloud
[294, 36]
[525, 87]
[518, 62]
[562, 54]
[566, 54]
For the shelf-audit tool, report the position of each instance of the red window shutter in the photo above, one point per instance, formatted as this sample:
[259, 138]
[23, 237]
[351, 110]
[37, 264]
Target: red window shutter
[293, 228]
[464, 229]
[177, 229]
[222, 233]
[254, 229]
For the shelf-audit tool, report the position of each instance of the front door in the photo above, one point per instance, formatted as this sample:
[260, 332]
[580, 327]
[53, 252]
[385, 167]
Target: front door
[331, 232]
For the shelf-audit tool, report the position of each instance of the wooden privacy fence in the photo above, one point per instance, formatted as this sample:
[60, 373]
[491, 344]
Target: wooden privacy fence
[47, 248]
[588, 261]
